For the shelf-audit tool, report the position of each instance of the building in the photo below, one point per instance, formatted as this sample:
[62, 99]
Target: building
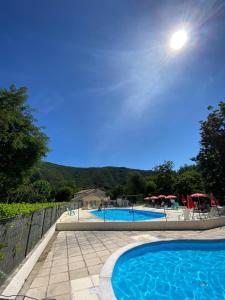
[91, 198]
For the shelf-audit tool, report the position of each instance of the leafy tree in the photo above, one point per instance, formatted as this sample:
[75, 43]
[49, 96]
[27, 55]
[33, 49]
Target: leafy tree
[22, 144]
[135, 184]
[23, 193]
[118, 191]
[189, 180]
[211, 157]
[42, 189]
[165, 178]
[150, 185]
[64, 194]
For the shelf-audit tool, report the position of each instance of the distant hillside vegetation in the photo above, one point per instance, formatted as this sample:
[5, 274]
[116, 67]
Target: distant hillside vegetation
[105, 177]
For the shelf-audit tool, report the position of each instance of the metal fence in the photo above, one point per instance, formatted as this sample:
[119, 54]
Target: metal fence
[19, 235]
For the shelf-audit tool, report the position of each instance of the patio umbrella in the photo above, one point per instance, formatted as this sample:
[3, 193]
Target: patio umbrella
[147, 198]
[161, 196]
[153, 198]
[171, 197]
[199, 195]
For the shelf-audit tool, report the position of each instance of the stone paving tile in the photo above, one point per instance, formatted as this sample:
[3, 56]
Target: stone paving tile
[81, 284]
[90, 255]
[59, 269]
[77, 265]
[95, 280]
[59, 262]
[61, 277]
[44, 272]
[76, 258]
[84, 295]
[92, 261]
[38, 293]
[39, 281]
[93, 270]
[79, 273]
[58, 289]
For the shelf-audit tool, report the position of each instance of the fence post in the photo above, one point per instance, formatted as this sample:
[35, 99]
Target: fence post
[43, 223]
[28, 236]
[78, 215]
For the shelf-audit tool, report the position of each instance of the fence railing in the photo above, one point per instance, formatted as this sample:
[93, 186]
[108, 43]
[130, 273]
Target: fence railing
[19, 235]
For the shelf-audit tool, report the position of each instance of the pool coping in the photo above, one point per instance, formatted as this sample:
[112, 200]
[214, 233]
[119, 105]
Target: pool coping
[105, 278]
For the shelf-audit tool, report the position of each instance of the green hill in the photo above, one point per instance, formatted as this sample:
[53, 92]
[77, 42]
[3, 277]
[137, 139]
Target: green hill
[105, 177]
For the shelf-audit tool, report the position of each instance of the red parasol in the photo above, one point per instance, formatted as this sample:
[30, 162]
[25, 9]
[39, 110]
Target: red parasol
[154, 197]
[171, 197]
[161, 196]
[199, 195]
[147, 198]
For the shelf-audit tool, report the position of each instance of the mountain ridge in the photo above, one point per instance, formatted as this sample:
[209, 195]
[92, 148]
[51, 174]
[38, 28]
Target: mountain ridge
[105, 177]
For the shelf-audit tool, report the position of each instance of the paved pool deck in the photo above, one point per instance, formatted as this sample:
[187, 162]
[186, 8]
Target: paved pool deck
[70, 266]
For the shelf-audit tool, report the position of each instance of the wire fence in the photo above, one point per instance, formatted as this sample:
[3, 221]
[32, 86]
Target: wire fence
[19, 235]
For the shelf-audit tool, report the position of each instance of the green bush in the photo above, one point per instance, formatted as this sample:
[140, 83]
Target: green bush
[64, 194]
[10, 210]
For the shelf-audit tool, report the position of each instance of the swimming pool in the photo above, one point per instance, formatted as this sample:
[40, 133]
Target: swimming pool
[171, 270]
[127, 215]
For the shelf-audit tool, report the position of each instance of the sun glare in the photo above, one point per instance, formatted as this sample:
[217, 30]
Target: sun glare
[178, 40]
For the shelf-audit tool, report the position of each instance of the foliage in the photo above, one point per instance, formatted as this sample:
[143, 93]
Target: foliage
[105, 178]
[165, 178]
[211, 157]
[151, 186]
[189, 181]
[64, 194]
[135, 184]
[116, 192]
[42, 189]
[22, 144]
[10, 210]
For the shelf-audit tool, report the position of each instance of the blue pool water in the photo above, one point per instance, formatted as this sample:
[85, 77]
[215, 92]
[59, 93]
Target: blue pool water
[175, 270]
[127, 215]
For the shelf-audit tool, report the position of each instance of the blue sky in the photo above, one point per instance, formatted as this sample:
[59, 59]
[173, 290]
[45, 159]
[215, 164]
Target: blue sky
[104, 81]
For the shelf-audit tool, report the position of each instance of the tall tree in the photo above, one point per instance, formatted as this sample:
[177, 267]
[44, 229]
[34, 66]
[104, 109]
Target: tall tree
[211, 157]
[165, 178]
[22, 143]
[189, 180]
[135, 184]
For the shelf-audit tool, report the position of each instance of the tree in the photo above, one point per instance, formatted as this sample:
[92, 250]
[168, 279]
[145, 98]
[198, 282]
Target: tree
[165, 178]
[64, 194]
[116, 192]
[135, 184]
[150, 185]
[22, 143]
[189, 181]
[211, 157]
[42, 189]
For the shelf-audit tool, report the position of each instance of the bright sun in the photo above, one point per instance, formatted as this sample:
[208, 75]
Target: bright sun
[178, 40]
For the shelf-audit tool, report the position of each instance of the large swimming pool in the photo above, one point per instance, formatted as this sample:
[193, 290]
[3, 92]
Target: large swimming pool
[174, 270]
[126, 215]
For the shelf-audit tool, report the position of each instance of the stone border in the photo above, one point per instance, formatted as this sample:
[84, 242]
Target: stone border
[203, 224]
[16, 281]
[105, 279]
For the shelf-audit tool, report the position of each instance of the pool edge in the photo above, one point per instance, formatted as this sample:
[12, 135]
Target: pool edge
[105, 282]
